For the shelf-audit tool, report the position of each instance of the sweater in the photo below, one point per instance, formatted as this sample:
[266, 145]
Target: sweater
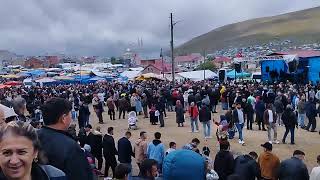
[315, 173]
[269, 165]
[140, 150]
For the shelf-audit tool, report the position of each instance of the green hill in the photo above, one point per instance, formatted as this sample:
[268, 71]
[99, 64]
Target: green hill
[300, 27]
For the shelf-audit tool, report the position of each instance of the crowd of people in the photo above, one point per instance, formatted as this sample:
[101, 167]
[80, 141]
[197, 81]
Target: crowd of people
[58, 150]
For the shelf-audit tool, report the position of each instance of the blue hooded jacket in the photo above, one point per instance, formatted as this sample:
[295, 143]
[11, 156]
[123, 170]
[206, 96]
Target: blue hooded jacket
[184, 164]
[156, 151]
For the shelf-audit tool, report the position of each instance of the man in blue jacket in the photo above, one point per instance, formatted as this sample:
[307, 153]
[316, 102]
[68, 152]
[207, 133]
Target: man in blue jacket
[294, 168]
[156, 150]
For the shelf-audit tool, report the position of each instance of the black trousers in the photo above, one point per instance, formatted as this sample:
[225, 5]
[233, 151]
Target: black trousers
[312, 123]
[249, 121]
[100, 161]
[99, 115]
[122, 111]
[161, 119]
[109, 164]
[112, 114]
[260, 122]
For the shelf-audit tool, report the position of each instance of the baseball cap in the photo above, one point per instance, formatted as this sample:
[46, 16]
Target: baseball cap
[267, 145]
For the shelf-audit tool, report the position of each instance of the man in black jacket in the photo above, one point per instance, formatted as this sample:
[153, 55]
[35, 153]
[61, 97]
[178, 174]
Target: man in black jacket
[247, 167]
[125, 150]
[205, 119]
[60, 149]
[224, 162]
[94, 139]
[109, 152]
[311, 112]
[249, 113]
[289, 119]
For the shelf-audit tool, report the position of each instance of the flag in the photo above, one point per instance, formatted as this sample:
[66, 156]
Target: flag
[161, 53]
[239, 55]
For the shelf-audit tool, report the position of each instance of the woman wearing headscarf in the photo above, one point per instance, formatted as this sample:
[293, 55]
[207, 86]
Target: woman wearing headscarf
[179, 113]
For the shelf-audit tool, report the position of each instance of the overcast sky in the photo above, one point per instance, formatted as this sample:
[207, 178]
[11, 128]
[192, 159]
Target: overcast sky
[108, 27]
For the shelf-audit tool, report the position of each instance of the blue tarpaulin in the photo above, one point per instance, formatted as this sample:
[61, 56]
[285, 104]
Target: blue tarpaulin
[35, 73]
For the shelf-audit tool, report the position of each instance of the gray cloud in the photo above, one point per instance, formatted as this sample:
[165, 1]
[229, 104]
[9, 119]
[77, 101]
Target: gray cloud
[104, 27]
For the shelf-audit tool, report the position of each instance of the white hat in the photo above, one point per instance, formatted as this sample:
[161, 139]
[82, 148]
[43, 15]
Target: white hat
[87, 147]
[8, 112]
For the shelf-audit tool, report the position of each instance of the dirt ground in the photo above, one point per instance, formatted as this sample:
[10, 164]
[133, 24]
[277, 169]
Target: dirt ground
[305, 141]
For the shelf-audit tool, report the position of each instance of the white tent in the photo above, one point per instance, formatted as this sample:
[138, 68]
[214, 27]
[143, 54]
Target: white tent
[45, 80]
[130, 74]
[198, 75]
[101, 74]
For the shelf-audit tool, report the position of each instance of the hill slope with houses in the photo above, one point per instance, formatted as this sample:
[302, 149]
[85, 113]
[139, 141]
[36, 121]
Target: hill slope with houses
[300, 27]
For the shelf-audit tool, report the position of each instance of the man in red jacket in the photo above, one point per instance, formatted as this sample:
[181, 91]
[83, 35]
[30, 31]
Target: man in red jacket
[194, 113]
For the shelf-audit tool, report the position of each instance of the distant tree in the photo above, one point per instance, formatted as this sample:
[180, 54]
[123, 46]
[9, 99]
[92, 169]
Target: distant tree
[113, 60]
[210, 58]
[207, 65]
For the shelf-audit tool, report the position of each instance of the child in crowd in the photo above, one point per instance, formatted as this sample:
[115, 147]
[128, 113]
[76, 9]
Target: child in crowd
[38, 114]
[206, 155]
[172, 147]
[222, 130]
[132, 120]
[315, 173]
[91, 160]
[153, 117]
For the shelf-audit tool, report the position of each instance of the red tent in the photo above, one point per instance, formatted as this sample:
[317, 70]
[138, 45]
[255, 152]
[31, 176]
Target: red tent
[2, 86]
[13, 83]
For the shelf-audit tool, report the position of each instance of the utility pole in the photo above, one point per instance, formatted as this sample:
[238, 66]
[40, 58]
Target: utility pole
[172, 56]
[161, 55]
[204, 70]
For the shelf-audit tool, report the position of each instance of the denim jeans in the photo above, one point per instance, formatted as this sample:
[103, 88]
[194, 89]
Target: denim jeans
[194, 122]
[301, 119]
[206, 128]
[240, 127]
[287, 132]
[130, 167]
[224, 106]
[186, 105]
[214, 108]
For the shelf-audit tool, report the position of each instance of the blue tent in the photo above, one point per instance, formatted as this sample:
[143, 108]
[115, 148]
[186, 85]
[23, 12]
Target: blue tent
[93, 80]
[276, 66]
[243, 74]
[35, 73]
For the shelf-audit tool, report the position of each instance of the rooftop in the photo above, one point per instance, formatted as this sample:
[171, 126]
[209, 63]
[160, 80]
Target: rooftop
[300, 53]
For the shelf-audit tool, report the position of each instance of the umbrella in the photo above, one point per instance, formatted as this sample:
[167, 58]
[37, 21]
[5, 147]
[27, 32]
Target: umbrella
[13, 83]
